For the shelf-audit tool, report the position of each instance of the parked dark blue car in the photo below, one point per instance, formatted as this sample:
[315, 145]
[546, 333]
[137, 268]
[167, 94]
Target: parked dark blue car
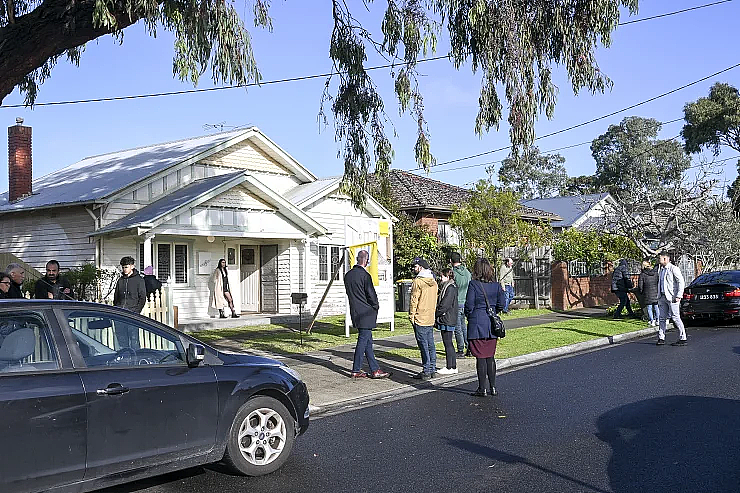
[93, 395]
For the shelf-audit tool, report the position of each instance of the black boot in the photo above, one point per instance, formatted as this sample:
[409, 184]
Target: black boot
[233, 314]
[221, 314]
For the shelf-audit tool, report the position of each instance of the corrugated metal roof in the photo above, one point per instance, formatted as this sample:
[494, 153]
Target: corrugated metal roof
[569, 208]
[97, 177]
[170, 202]
[301, 193]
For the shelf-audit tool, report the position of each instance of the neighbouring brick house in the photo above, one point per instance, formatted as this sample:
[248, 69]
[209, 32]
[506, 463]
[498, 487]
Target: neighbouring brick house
[431, 202]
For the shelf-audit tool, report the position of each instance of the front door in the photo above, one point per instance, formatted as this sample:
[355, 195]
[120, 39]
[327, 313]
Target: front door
[269, 278]
[250, 278]
[145, 406]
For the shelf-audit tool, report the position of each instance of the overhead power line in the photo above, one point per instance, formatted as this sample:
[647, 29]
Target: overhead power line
[635, 21]
[294, 79]
[593, 120]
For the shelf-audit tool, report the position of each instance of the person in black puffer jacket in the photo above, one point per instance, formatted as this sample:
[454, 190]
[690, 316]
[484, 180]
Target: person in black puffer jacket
[647, 286]
[446, 318]
[621, 286]
[130, 290]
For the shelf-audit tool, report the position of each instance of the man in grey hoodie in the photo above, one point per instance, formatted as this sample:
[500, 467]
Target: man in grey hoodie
[462, 279]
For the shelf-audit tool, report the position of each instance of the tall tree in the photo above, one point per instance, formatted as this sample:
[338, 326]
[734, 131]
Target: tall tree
[714, 122]
[513, 43]
[533, 175]
[581, 185]
[489, 222]
[630, 156]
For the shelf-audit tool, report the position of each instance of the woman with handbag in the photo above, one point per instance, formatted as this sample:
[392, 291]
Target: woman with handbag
[485, 298]
[446, 318]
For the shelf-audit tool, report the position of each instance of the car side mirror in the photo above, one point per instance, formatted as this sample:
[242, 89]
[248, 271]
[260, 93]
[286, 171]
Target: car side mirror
[195, 354]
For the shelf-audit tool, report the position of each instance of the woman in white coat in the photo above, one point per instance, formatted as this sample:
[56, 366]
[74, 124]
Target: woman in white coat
[221, 296]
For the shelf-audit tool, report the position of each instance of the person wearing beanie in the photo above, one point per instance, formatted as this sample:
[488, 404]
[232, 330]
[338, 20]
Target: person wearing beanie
[151, 282]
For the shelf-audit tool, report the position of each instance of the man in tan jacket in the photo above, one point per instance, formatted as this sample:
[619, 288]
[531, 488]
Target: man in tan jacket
[421, 313]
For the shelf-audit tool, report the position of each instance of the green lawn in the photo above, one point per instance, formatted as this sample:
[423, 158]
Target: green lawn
[327, 332]
[540, 337]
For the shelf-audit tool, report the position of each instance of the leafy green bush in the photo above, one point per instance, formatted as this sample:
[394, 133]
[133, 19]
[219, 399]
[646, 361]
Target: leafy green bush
[593, 247]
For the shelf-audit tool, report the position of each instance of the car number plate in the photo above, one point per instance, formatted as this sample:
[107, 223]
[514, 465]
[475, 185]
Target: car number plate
[708, 296]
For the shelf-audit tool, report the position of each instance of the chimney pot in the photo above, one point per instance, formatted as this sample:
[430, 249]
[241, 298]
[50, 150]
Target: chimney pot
[20, 166]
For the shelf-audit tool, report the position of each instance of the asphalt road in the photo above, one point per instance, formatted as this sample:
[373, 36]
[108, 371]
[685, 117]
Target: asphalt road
[630, 418]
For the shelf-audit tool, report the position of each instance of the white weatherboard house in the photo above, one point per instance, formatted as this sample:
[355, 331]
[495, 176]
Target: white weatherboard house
[181, 206]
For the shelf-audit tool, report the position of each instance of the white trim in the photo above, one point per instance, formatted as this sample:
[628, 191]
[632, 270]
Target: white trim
[374, 205]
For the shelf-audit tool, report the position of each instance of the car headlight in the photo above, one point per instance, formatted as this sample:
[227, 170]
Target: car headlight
[290, 371]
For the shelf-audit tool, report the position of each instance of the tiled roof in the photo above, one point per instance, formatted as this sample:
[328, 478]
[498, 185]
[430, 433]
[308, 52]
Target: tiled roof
[414, 192]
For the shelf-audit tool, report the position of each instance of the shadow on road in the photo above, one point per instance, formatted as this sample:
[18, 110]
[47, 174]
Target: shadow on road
[506, 457]
[736, 350]
[673, 444]
[143, 484]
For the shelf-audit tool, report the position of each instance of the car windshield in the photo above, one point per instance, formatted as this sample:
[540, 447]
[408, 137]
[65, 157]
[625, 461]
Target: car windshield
[719, 277]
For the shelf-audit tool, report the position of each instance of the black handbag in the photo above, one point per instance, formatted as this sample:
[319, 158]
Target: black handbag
[497, 325]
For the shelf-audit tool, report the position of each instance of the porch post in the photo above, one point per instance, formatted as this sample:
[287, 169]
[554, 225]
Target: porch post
[148, 250]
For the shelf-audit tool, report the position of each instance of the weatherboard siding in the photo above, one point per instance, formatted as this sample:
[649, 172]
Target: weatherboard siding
[38, 236]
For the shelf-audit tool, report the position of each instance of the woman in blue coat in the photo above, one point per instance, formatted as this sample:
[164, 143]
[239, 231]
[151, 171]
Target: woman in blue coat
[482, 340]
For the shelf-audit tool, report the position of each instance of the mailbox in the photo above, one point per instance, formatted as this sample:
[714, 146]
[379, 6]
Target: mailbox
[299, 298]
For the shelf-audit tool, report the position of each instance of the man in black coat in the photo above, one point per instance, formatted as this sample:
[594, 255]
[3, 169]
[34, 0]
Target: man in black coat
[53, 286]
[621, 286]
[363, 310]
[130, 290]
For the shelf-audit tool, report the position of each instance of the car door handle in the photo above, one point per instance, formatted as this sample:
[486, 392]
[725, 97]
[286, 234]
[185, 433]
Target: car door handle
[113, 389]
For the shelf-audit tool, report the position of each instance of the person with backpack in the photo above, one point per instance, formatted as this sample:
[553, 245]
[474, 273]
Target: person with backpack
[446, 319]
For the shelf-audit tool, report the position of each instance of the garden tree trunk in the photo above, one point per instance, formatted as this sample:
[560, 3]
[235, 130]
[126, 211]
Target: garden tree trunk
[50, 30]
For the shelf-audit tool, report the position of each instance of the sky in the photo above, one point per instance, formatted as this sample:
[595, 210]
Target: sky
[644, 60]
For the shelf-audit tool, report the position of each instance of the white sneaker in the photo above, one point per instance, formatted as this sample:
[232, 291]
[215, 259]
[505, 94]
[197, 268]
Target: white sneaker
[447, 371]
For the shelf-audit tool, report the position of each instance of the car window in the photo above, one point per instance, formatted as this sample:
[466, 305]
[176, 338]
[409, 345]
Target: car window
[25, 342]
[718, 277]
[112, 340]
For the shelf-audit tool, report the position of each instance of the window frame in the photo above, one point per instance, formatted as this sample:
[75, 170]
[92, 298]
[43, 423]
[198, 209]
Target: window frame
[54, 339]
[79, 360]
[171, 279]
[324, 263]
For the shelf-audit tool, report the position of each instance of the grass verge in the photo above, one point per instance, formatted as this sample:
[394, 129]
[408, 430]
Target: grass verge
[527, 340]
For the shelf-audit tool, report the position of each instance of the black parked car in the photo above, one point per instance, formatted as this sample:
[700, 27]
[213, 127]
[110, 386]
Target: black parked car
[92, 395]
[712, 296]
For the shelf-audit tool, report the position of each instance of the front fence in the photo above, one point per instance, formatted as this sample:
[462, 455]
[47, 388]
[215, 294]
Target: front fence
[157, 307]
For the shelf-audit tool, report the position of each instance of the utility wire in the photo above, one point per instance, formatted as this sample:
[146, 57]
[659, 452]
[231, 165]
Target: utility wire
[582, 124]
[672, 13]
[295, 79]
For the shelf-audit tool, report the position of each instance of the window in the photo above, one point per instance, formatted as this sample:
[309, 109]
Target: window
[112, 340]
[444, 232]
[329, 254]
[181, 264]
[25, 343]
[172, 263]
[163, 262]
[335, 259]
[323, 264]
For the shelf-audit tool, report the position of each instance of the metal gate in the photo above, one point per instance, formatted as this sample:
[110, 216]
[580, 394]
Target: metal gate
[532, 277]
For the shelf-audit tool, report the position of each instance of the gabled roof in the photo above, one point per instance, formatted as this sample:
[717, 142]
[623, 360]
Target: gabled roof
[570, 208]
[201, 191]
[97, 178]
[414, 193]
[304, 195]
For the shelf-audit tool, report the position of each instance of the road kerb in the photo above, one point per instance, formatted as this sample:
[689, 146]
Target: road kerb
[510, 364]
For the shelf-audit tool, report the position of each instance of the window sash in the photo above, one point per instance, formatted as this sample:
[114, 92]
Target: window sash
[181, 264]
[164, 262]
[323, 264]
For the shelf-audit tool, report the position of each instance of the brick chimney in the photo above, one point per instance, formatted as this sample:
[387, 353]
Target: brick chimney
[20, 169]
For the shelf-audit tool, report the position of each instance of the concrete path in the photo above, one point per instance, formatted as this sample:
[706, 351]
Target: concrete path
[326, 372]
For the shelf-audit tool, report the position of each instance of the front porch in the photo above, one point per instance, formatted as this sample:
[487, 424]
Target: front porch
[195, 325]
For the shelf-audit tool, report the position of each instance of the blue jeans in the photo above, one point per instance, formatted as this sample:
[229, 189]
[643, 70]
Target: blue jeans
[364, 348]
[652, 312]
[461, 329]
[425, 340]
[509, 295]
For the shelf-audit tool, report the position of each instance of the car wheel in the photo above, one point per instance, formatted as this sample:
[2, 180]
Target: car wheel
[261, 437]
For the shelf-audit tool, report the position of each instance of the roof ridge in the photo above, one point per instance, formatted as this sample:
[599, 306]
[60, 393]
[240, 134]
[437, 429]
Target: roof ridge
[169, 142]
[408, 173]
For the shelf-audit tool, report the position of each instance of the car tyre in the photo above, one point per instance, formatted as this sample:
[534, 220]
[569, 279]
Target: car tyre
[261, 437]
